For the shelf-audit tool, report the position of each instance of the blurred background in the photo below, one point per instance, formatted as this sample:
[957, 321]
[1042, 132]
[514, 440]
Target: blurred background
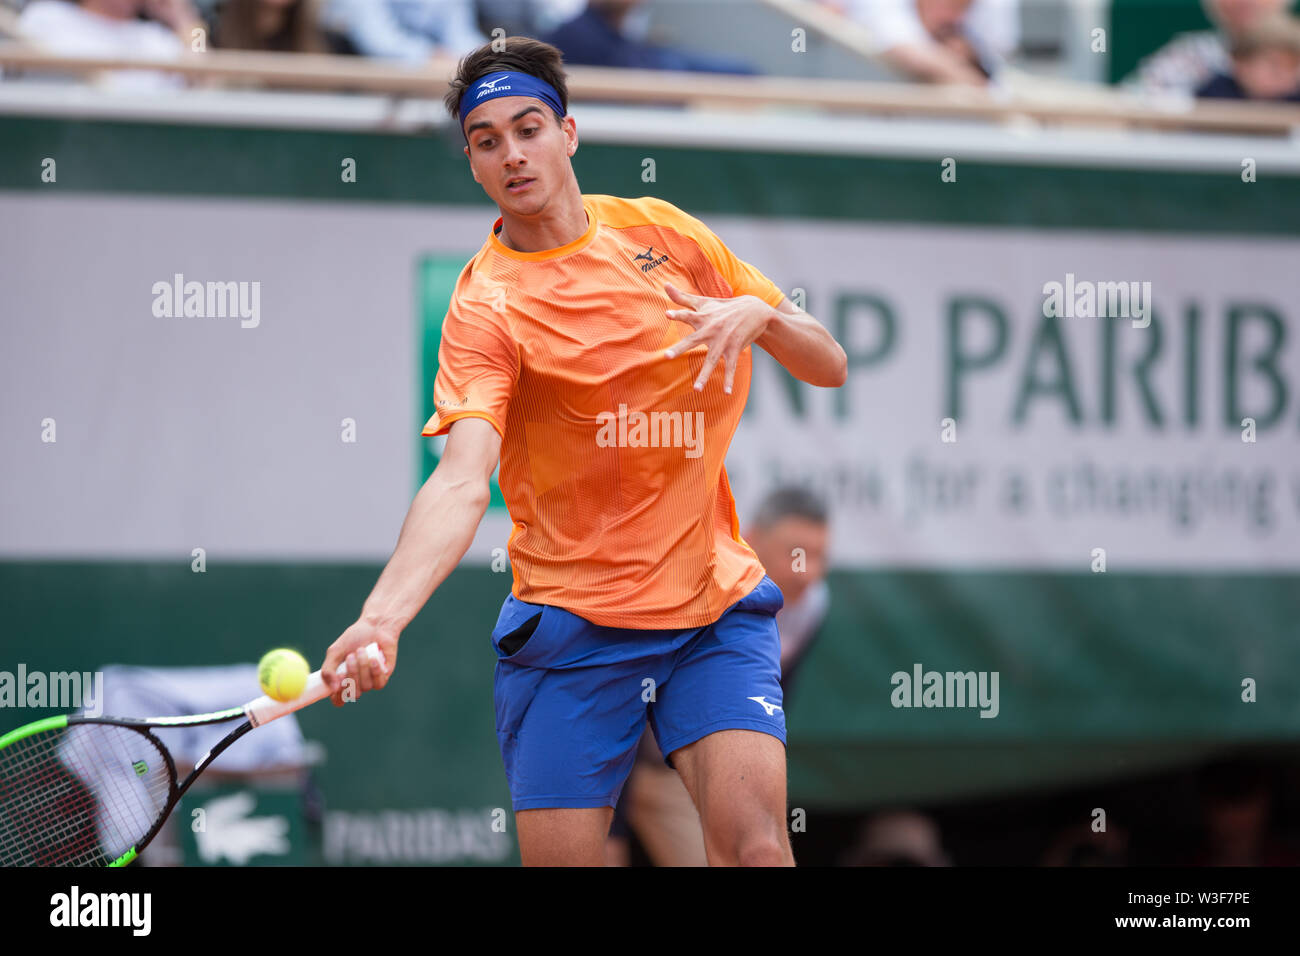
[1059, 240]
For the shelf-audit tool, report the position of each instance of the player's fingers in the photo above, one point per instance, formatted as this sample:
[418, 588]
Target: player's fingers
[378, 677]
[683, 345]
[365, 679]
[354, 669]
[348, 679]
[328, 670]
[677, 295]
[730, 376]
[710, 360]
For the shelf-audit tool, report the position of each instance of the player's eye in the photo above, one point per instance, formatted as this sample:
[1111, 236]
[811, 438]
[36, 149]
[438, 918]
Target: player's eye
[529, 131]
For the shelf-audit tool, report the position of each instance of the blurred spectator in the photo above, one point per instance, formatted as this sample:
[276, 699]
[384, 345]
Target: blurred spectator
[280, 26]
[939, 41]
[898, 838]
[1079, 845]
[602, 35]
[114, 28]
[530, 18]
[411, 30]
[791, 518]
[1265, 64]
[655, 803]
[1190, 60]
[1236, 804]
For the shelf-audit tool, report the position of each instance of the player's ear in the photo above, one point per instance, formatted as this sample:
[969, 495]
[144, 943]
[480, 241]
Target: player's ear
[571, 134]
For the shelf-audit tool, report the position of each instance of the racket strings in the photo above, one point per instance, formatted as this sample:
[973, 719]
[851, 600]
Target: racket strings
[80, 795]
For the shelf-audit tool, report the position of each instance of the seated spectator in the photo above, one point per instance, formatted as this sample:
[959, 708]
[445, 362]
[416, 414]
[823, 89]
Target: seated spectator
[113, 28]
[939, 41]
[1190, 60]
[1078, 844]
[410, 30]
[598, 36]
[1265, 64]
[898, 838]
[280, 26]
[530, 18]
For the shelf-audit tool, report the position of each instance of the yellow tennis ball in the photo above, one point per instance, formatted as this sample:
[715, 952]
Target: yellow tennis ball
[282, 674]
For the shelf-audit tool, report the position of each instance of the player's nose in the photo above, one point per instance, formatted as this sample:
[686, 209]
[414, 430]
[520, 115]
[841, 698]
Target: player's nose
[513, 154]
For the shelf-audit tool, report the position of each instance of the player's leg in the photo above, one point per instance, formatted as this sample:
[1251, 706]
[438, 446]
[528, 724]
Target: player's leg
[564, 836]
[569, 713]
[737, 780]
[661, 811]
[720, 719]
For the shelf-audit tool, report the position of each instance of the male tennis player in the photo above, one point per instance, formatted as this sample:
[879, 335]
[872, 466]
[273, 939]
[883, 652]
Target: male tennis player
[599, 347]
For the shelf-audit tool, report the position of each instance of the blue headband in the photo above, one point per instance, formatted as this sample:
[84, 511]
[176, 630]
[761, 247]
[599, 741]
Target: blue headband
[506, 84]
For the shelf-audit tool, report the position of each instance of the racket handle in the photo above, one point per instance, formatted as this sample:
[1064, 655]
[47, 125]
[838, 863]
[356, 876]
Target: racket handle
[268, 708]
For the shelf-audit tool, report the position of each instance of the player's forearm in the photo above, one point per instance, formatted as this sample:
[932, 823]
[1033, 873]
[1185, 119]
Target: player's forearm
[805, 349]
[438, 530]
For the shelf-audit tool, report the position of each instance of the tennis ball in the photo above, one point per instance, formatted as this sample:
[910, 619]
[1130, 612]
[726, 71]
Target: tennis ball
[282, 674]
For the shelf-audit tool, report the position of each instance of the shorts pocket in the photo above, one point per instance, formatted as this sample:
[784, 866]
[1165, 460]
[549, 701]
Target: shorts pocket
[511, 644]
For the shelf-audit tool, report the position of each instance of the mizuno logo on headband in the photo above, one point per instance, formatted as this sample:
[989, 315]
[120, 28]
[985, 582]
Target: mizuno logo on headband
[508, 84]
[490, 86]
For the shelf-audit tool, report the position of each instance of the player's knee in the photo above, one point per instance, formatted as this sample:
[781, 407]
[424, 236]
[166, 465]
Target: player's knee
[762, 850]
[747, 839]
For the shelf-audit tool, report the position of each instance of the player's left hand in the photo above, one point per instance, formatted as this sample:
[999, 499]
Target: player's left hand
[726, 327]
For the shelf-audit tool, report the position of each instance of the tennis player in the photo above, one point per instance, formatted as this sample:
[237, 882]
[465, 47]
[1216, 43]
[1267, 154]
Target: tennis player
[599, 348]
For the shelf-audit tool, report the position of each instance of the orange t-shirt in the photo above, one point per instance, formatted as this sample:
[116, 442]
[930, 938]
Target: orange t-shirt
[611, 462]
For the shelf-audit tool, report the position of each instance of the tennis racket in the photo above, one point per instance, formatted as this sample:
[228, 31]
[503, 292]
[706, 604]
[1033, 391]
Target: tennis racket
[93, 791]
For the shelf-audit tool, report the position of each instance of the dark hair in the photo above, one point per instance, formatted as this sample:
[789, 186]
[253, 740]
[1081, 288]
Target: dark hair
[790, 501]
[1271, 33]
[236, 28]
[523, 54]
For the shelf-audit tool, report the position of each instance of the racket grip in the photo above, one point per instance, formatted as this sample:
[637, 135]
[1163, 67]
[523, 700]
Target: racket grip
[265, 709]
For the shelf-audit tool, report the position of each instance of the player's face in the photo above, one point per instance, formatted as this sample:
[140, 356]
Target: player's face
[518, 153]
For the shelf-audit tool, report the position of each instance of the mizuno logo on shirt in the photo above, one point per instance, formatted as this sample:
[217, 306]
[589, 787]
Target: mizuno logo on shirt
[770, 708]
[649, 259]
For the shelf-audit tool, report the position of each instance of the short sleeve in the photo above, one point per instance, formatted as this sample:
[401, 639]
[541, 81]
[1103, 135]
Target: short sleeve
[478, 363]
[743, 278]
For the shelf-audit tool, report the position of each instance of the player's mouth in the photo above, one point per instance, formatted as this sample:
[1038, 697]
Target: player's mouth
[519, 184]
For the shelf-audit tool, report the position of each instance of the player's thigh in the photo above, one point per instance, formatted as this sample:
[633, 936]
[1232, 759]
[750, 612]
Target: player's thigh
[737, 779]
[563, 836]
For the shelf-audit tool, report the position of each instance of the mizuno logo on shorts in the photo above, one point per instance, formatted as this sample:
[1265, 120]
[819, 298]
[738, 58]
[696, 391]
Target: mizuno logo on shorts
[770, 708]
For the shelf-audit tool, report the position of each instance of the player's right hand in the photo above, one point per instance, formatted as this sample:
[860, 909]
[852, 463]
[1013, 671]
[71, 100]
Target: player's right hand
[361, 673]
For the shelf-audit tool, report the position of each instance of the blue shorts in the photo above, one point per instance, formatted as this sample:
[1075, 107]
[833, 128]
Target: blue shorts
[572, 697]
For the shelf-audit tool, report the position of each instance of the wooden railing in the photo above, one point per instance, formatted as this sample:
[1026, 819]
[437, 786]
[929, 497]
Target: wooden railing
[1029, 98]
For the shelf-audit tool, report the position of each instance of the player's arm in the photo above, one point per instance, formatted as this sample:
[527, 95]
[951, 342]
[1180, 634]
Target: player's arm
[726, 326]
[438, 530]
[804, 347]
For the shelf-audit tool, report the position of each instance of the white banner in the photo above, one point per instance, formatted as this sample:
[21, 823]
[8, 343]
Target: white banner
[275, 416]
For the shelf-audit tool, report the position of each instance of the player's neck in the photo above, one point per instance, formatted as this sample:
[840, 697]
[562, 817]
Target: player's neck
[552, 229]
